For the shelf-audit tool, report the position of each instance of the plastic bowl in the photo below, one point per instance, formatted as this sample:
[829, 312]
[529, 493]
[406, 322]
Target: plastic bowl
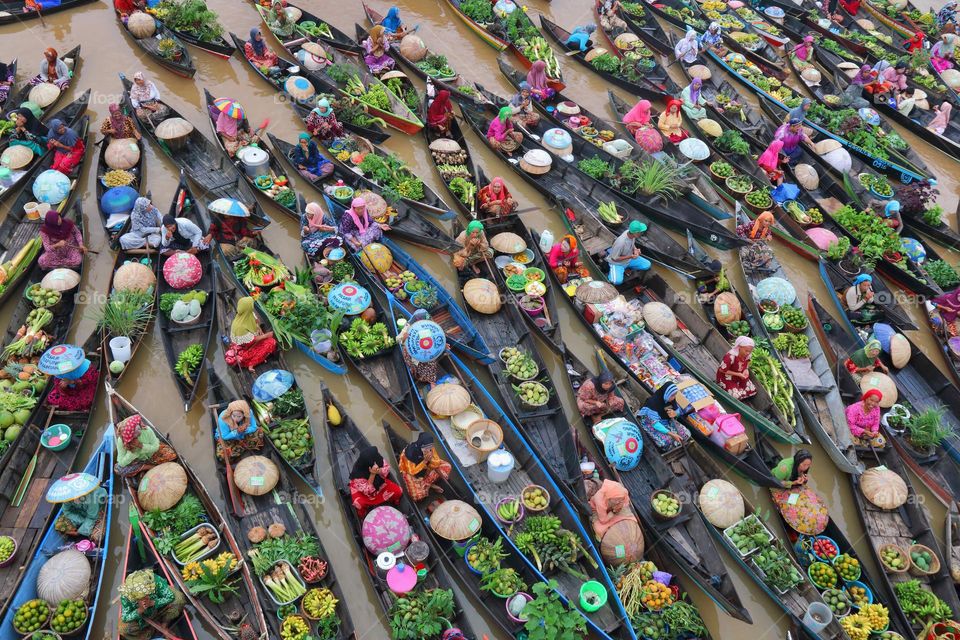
[56, 437]
[857, 583]
[516, 283]
[818, 584]
[13, 554]
[595, 589]
[534, 274]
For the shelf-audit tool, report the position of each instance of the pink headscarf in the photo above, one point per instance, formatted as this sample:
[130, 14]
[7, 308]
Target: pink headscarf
[939, 123]
[361, 226]
[226, 125]
[639, 114]
[804, 50]
[769, 160]
[315, 215]
[537, 76]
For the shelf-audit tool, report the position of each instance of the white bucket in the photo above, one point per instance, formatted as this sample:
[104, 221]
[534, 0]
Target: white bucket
[500, 464]
[120, 348]
[35, 210]
[817, 617]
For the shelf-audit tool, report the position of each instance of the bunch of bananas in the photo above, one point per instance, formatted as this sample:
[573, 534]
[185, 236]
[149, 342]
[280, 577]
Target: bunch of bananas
[509, 511]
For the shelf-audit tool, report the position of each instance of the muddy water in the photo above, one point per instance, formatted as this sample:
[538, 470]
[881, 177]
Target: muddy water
[149, 386]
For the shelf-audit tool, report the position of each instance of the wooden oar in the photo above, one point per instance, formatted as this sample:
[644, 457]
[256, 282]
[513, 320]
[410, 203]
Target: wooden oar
[162, 630]
[134, 517]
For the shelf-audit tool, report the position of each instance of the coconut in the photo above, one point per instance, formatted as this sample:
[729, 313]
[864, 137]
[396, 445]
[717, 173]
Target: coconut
[807, 176]
[482, 295]
[141, 25]
[122, 153]
[412, 48]
[660, 318]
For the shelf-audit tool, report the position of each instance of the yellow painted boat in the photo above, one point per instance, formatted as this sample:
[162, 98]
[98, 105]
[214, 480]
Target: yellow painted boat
[489, 38]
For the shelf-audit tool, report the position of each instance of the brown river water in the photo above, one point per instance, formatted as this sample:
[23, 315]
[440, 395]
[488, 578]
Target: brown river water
[106, 51]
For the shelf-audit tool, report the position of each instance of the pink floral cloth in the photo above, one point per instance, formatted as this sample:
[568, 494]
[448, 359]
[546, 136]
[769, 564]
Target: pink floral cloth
[182, 270]
[803, 509]
[385, 529]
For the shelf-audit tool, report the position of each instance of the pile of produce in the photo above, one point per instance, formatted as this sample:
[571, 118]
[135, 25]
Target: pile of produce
[739, 328]
[258, 269]
[288, 405]
[919, 604]
[652, 606]
[294, 627]
[188, 362]
[451, 164]
[732, 141]
[277, 189]
[721, 169]
[404, 89]
[778, 570]
[748, 535]
[532, 393]
[768, 84]
[168, 526]
[768, 373]
[857, 595]
[480, 11]
[421, 614]
[537, 48]
[11, 270]
[212, 577]
[792, 345]
[922, 559]
[69, 616]
[283, 583]
[310, 28]
[608, 213]
[363, 340]
[321, 605]
[464, 189]
[876, 239]
[312, 569]
[759, 198]
[666, 505]
[837, 600]
[7, 547]
[876, 615]
[877, 183]
[847, 567]
[295, 312]
[551, 547]
[189, 16]
[686, 15]
[117, 178]
[748, 41]
[893, 558]
[793, 316]
[943, 273]
[848, 124]
[393, 176]
[503, 583]
[195, 570]
[656, 595]
[519, 363]
[274, 544]
[292, 438]
[856, 627]
[509, 510]
[535, 498]
[30, 616]
[823, 575]
[169, 300]
[436, 66]
[198, 544]
[30, 340]
[485, 556]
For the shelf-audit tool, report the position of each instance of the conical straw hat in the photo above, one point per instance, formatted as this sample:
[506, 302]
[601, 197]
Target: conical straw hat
[16, 157]
[299, 88]
[256, 475]
[448, 399]
[508, 242]
[44, 94]
[596, 292]
[455, 520]
[173, 128]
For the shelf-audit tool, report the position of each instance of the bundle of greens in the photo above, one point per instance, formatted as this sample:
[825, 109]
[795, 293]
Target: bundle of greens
[464, 189]
[289, 548]
[126, 313]
[169, 525]
[393, 175]
[653, 177]
[769, 374]
[295, 312]
[421, 614]
[259, 269]
[943, 273]
[480, 11]
[190, 16]
[436, 66]
[848, 124]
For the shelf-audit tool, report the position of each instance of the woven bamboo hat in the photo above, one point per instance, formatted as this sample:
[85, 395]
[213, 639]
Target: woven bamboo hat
[455, 520]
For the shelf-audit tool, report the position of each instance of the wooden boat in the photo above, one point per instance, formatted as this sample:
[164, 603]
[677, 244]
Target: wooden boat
[345, 441]
[202, 162]
[12, 71]
[653, 84]
[399, 83]
[283, 505]
[951, 540]
[320, 84]
[684, 539]
[221, 618]
[217, 45]
[17, 10]
[326, 34]
[485, 34]
[643, 25]
[179, 60]
[460, 330]
[765, 29]
[138, 171]
[467, 209]
[16, 97]
[101, 466]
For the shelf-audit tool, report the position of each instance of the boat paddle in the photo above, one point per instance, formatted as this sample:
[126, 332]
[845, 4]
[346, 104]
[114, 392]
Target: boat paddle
[134, 517]
[33, 5]
[236, 505]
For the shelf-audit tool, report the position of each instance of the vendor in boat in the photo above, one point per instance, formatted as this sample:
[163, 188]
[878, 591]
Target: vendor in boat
[866, 360]
[638, 117]
[693, 100]
[475, 247]
[63, 246]
[146, 595]
[145, 98]
[28, 131]
[370, 483]
[859, 300]
[83, 517]
[770, 161]
[181, 234]
[799, 112]
[564, 259]
[358, 228]
[610, 20]
[538, 81]
[67, 145]
[942, 53]
[393, 25]
[257, 52]
[237, 430]
[316, 234]
[793, 136]
[235, 133]
[7, 79]
[609, 506]
[322, 121]
[670, 121]
[597, 397]
[308, 160]
[126, 7]
[852, 95]
[760, 229]
[624, 254]
[947, 15]
[712, 37]
[440, 113]
[138, 448]
[501, 135]
[733, 374]
[146, 226]
[52, 70]
[938, 124]
[249, 345]
[232, 233]
[863, 419]
[906, 101]
[948, 306]
[377, 47]
[423, 372]
[118, 125]
[914, 43]
[74, 378]
[687, 48]
[421, 468]
[895, 75]
[495, 200]
[889, 212]
[524, 113]
[279, 22]
[579, 38]
[658, 418]
[805, 50]
[793, 470]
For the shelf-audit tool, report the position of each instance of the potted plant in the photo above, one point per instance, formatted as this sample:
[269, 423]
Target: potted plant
[925, 430]
[852, 263]
[838, 250]
[548, 618]
[933, 216]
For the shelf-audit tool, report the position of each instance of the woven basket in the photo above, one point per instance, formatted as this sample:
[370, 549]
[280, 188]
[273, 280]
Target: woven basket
[479, 426]
[903, 554]
[934, 562]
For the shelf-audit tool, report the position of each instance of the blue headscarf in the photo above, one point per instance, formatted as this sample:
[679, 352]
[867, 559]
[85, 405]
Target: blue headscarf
[863, 277]
[586, 28]
[892, 207]
[259, 46]
[391, 22]
[69, 137]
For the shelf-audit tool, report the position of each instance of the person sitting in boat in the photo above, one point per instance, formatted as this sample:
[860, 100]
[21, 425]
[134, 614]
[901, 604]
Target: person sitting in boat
[257, 52]
[63, 246]
[609, 506]
[524, 114]
[440, 113]
[74, 383]
[947, 15]
[733, 374]
[877, 87]
[370, 483]
[52, 70]
[597, 397]
[624, 254]
[670, 121]
[610, 20]
[658, 418]
[538, 81]
[308, 160]
[501, 135]
[147, 595]
[859, 300]
[279, 22]
[687, 48]
[237, 430]
[475, 247]
[863, 419]
[793, 136]
[181, 234]
[889, 212]
[146, 225]
[118, 125]
[28, 131]
[423, 372]
[805, 51]
[564, 259]
[322, 121]
[393, 25]
[799, 112]
[377, 46]
[712, 37]
[760, 229]
[942, 53]
[421, 468]
[948, 307]
[693, 100]
[866, 360]
[234, 133]
[495, 200]
[914, 43]
[358, 228]
[638, 118]
[906, 101]
[895, 75]
[941, 120]
[127, 7]
[68, 147]
[232, 233]
[145, 98]
[7, 79]
[579, 38]
[316, 234]
[84, 517]
[770, 161]
[138, 448]
[793, 470]
[249, 344]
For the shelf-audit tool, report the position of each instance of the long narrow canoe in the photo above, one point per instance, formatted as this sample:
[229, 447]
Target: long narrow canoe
[18, 11]
[113, 225]
[179, 61]
[323, 32]
[469, 172]
[71, 58]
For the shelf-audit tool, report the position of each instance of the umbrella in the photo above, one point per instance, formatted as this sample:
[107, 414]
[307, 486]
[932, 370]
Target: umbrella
[914, 250]
[299, 88]
[229, 207]
[425, 341]
[455, 520]
[596, 292]
[118, 200]
[230, 107]
[447, 399]
[803, 509]
[51, 187]
[72, 486]
[272, 384]
[61, 359]
[508, 242]
[350, 298]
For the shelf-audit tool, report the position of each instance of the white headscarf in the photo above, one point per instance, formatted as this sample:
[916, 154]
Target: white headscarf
[688, 48]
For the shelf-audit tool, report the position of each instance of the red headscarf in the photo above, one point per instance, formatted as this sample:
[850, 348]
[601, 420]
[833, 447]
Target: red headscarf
[674, 104]
[872, 393]
[57, 228]
[487, 194]
[914, 43]
[439, 108]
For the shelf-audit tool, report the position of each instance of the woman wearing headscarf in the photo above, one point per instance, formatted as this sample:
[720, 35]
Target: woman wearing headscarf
[947, 14]
[805, 50]
[760, 230]
[257, 52]
[495, 200]
[279, 22]
[658, 418]
[422, 372]
[474, 247]
[249, 346]
[118, 124]
[146, 224]
[687, 48]
[564, 259]
[579, 38]
[859, 299]
[948, 307]
[234, 133]
[440, 113]
[693, 100]
[896, 76]
[597, 397]
[941, 120]
[126, 7]
[322, 122]
[52, 70]
[377, 46]
[863, 419]
[670, 121]
[610, 20]
[315, 233]
[28, 131]
[138, 448]
[181, 234]
[769, 161]
[421, 467]
[237, 430]
[6, 81]
[638, 117]
[501, 135]
[145, 98]
[914, 43]
[793, 136]
[538, 81]
[610, 505]
[524, 113]
[392, 24]
[357, 227]
[308, 160]
[62, 243]
[67, 147]
[712, 37]
[799, 112]
[942, 53]
[370, 483]
[792, 471]
[865, 360]
[733, 374]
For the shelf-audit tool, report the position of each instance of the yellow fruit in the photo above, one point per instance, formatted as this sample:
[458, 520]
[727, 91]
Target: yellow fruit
[333, 415]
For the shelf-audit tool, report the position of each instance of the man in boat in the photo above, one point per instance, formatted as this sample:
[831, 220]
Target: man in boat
[370, 483]
[237, 429]
[859, 298]
[624, 254]
[475, 247]
[597, 398]
[421, 467]
[181, 234]
[146, 595]
[138, 448]
[863, 419]
[866, 360]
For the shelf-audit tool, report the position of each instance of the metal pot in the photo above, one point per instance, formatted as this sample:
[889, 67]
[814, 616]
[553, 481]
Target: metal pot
[255, 161]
